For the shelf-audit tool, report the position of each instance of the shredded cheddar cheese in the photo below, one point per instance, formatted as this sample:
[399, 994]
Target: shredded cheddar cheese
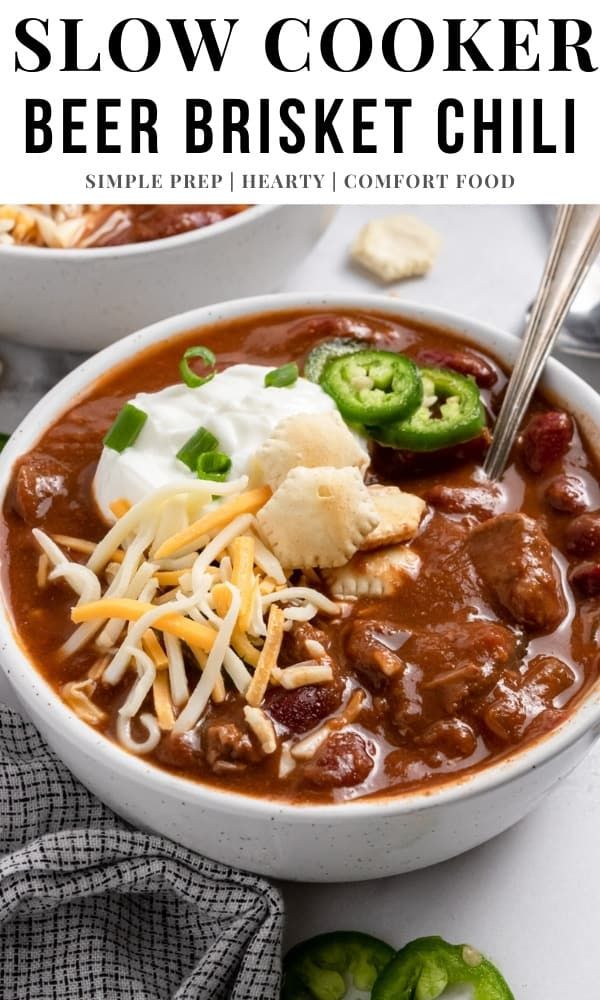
[242, 576]
[163, 707]
[247, 503]
[267, 659]
[120, 507]
[218, 583]
[191, 632]
[155, 650]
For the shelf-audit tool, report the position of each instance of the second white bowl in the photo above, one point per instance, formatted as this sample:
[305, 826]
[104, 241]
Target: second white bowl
[83, 300]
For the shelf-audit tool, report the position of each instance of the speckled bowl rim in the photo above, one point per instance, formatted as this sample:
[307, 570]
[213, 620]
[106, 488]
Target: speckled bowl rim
[34, 691]
[74, 255]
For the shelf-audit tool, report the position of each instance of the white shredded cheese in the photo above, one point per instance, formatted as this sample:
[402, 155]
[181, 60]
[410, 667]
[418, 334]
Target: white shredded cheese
[199, 698]
[307, 594]
[142, 687]
[126, 739]
[262, 727]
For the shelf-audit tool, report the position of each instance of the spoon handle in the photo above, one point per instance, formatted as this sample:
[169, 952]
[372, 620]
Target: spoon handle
[575, 243]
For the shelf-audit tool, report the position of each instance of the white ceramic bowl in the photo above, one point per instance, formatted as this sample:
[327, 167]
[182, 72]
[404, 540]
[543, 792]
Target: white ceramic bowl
[85, 299]
[359, 840]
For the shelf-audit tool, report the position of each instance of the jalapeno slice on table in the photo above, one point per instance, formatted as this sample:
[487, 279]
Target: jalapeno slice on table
[451, 412]
[425, 968]
[340, 966]
[373, 387]
[325, 351]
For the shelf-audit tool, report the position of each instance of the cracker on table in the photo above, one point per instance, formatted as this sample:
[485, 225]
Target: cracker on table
[396, 247]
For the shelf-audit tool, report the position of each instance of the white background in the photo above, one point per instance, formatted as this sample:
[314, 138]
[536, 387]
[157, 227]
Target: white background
[530, 897]
[54, 177]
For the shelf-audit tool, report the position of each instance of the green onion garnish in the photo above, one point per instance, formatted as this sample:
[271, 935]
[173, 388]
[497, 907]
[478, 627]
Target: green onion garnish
[199, 443]
[189, 377]
[126, 428]
[3, 439]
[281, 377]
[213, 465]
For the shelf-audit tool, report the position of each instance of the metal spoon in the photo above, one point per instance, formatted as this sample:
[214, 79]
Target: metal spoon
[575, 243]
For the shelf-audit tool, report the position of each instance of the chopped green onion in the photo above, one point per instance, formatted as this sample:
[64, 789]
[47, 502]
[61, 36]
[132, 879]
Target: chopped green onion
[199, 443]
[281, 377]
[189, 377]
[3, 439]
[126, 428]
[213, 465]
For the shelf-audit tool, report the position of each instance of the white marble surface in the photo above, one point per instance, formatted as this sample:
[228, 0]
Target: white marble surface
[528, 898]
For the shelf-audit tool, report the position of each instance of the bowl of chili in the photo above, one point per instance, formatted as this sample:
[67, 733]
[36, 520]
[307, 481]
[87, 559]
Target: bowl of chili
[400, 795]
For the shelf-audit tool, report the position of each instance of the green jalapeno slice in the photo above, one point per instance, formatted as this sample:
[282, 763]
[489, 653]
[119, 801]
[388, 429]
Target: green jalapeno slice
[325, 351]
[340, 966]
[451, 413]
[425, 968]
[373, 387]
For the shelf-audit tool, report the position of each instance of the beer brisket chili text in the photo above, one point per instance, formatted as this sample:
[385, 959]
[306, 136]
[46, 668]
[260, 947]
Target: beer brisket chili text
[487, 648]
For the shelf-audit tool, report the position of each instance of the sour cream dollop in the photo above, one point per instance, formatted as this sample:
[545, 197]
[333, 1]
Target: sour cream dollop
[235, 406]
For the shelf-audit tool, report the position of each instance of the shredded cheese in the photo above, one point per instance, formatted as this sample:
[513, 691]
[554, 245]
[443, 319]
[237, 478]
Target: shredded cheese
[244, 648]
[76, 544]
[42, 571]
[208, 585]
[154, 649]
[162, 702]
[147, 507]
[146, 676]
[262, 727]
[246, 503]
[242, 576]
[78, 695]
[126, 739]
[307, 594]
[304, 673]
[199, 698]
[177, 676]
[120, 507]
[267, 659]
[268, 562]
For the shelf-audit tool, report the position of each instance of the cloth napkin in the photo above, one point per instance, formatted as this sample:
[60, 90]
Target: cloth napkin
[90, 907]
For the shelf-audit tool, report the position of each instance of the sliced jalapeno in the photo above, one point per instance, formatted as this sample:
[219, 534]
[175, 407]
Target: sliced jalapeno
[373, 387]
[425, 968]
[334, 966]
[451, 412]
[324, 352]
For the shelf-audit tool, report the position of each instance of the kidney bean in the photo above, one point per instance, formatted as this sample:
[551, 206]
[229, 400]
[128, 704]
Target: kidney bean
[586, 579]
[303, 708]
[546, 439]
[582, 537]
[460, 361]
[566, 494]
[331, 325]
[344, 759]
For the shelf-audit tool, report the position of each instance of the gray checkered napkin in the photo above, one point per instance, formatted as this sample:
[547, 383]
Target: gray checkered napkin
[90, 908]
